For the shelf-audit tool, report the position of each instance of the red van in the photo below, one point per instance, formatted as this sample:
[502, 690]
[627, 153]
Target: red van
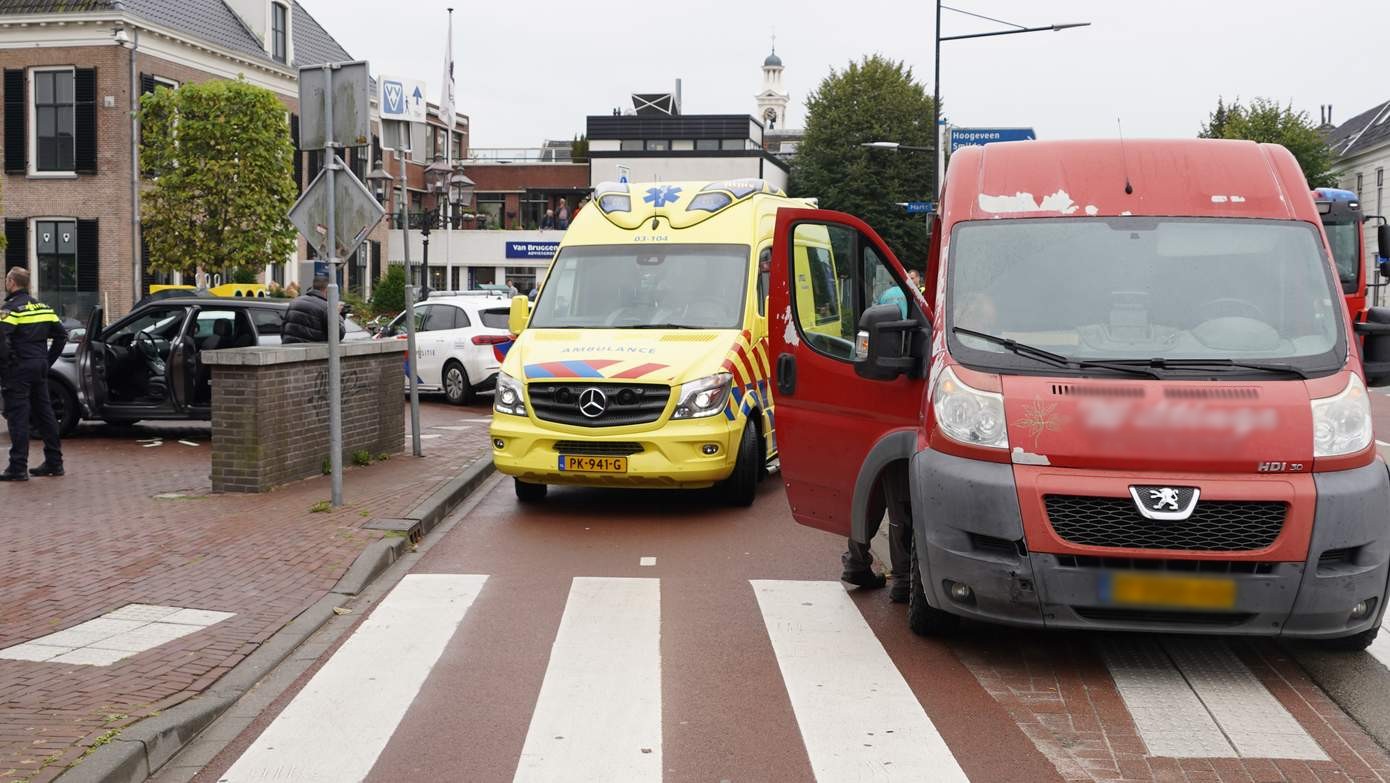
[1130, 398]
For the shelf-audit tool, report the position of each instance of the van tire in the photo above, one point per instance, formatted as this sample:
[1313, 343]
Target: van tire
[741, 487]
[527, 492]
[923, 618]
[458, 390]
[1354, 643]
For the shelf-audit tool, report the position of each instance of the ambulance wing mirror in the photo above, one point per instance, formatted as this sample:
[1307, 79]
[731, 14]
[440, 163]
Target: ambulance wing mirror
[520, 314]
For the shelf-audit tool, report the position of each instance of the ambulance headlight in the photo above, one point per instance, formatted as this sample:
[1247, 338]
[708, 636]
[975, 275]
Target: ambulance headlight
[703, 397]
[508, 397]
[1342, 424]
[969, 415]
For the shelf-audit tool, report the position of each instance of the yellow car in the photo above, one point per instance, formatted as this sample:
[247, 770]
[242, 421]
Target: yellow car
[644, 362]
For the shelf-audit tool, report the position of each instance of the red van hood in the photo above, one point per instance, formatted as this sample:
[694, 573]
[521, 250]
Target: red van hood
[1159, 425]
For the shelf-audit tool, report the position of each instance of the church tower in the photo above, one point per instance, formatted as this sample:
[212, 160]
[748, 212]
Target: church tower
[773, 99]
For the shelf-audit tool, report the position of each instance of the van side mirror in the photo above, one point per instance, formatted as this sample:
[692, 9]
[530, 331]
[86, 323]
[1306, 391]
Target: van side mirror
[1385, 268]
[883, 349]
[1383, 242]
[520, 314]
[1375, 346]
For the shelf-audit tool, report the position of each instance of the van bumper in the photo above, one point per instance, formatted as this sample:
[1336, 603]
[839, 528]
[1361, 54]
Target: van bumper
[671, 456]
[968, 529]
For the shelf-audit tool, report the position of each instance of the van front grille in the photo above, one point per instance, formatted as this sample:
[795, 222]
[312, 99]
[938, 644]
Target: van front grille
[622, 403]
[1215, 525]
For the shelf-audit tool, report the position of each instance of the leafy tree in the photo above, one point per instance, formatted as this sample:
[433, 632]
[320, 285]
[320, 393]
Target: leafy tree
[1264, 120]
[579, 148]
[245, 275]
[388, 295]
[875, 99]
[222, 166]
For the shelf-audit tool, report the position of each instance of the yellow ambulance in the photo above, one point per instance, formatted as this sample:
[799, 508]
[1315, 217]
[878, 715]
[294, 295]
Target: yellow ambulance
[643, 361]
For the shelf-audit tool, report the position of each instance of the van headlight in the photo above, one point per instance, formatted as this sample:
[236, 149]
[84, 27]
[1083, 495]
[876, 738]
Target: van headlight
[508, 397]
[968, 415]
[703, 397]
[1342, 424]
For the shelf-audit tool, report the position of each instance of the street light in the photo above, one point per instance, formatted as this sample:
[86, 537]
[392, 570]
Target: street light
[893, 145]
[380, 183]
[936, 82]
[450, 188]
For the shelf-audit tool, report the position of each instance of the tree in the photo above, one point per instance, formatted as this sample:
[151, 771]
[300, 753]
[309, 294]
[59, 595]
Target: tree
[388, 295]
[1264, 120]
[222, 166]
[579, 149]
[875, 99]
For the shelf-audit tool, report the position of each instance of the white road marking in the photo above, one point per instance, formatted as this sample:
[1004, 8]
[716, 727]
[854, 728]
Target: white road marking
[134, 628]
[1380, 648]
[1382, 443]
[858, 717]
[188, 443]
[647, 561]
[1254, 721]
[364, 690]
[1170, 718]
[598, 716]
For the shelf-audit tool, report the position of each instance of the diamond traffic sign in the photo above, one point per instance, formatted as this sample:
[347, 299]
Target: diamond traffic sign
[357, 213]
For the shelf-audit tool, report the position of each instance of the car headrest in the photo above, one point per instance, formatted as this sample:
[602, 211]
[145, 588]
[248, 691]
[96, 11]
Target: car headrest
[222, 327]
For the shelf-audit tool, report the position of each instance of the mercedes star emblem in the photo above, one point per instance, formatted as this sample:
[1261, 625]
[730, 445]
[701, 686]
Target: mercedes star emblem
[592, 402]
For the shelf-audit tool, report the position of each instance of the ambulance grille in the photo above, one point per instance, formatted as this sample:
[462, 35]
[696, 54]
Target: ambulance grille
[1215, 525]
[626, 403]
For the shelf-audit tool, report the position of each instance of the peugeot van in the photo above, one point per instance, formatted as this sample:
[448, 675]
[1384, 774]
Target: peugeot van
[1130, 399]
[643, 361]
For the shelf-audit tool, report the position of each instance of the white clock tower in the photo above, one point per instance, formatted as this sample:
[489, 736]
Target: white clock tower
[773, 99]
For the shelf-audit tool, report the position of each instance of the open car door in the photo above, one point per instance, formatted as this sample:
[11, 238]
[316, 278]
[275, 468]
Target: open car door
[836, 429]
[91, 364]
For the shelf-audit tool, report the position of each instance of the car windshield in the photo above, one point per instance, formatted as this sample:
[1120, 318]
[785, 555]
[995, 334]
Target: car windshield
[1345, 240]
[1130, 288]
[645, 286]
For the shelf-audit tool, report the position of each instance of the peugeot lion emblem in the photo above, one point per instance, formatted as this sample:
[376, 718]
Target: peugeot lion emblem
[1167, 504]
[592, 402]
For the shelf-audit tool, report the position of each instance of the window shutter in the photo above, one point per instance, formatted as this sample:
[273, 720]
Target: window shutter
[88, 256]
[17, 243]
[147, 84]
[315, 163]
[84, 85]
[298, 155]
[16, 124]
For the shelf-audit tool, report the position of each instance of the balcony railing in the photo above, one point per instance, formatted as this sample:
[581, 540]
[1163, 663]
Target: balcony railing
[462, 221]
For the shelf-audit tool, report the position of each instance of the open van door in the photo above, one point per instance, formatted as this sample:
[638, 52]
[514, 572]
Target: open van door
[91, 364]
[836, 290]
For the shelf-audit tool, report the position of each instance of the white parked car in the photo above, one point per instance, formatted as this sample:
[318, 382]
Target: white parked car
[456, 339]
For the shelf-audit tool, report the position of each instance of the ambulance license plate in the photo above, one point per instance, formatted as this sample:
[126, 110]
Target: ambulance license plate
[573, 464]
[1179, 592]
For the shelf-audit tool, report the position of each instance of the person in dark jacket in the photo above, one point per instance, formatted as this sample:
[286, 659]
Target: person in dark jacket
[31, 340]
[306, 320]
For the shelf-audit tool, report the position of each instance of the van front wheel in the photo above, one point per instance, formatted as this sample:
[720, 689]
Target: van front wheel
[741, 487]
[527, 492]
[923, 618]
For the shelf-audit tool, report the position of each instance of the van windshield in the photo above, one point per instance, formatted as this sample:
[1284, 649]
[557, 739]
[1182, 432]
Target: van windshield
[1131, 288]
[645, 287]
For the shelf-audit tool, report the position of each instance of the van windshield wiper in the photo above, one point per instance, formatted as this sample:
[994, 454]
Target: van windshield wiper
[660, 326]
[1205, 364]
[1057, 359]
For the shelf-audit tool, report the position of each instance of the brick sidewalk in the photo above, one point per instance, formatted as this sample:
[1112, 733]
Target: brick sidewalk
[137, 524]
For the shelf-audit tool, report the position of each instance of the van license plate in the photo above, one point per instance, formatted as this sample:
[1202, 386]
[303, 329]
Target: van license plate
[573, 464]
[1124, 589]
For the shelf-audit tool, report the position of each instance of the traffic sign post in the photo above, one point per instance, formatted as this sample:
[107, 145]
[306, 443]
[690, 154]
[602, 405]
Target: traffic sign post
[918, 207]
[396, 136]
[335, 113]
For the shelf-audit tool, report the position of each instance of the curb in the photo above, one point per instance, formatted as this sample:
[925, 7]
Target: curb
[140, 750]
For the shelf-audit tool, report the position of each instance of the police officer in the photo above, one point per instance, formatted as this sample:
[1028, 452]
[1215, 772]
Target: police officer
[31, 340]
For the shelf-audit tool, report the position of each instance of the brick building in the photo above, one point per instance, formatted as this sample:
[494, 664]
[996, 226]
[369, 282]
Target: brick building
[73, 72]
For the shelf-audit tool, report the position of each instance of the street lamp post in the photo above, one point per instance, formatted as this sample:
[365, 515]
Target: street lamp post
[450, 188]
[936, 80]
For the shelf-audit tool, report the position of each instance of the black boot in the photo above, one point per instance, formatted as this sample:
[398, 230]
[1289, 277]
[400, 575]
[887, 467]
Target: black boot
[47, 469]
[901, 592]
[858, 569]
[14, 474]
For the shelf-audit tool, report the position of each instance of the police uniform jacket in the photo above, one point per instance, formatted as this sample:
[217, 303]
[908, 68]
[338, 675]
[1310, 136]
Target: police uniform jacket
[30, 332]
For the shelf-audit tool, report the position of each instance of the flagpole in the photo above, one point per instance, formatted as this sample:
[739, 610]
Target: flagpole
[449, 157]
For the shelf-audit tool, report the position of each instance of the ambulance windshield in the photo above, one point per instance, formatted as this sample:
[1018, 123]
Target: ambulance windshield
[645, 287]
[1143, 289]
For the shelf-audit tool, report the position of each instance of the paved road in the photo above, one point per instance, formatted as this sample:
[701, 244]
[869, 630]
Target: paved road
[607, 636]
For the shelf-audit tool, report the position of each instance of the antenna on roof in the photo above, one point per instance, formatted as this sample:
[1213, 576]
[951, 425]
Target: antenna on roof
[1124, 160]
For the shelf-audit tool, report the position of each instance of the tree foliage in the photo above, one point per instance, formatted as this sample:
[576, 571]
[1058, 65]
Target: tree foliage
[222, 165]
[388, 295]
[1264, 120]
[875, 99]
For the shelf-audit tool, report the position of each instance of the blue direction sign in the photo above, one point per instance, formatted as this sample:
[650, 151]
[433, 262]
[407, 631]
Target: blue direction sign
[918, 207]
[975, 137]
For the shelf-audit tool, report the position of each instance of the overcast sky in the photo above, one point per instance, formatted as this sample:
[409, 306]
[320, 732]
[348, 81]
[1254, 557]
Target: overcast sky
[529, 71]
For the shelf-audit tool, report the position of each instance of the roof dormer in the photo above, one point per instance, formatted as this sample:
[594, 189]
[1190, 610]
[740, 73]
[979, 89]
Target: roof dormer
[271, 22]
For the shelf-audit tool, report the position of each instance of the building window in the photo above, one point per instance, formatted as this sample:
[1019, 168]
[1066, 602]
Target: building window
[280, 32]
[734, 144]
[523, 277]
[56, 257]
[491, 205]
[707, 144]
[54, 117]
[458, 146]
[1358, 184]
[631, 145]
[658, 145]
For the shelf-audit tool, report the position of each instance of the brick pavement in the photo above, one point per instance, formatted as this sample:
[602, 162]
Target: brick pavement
[77, 547]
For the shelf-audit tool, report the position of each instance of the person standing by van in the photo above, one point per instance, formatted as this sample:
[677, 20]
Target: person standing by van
[857, 560]
[306, 320]
[31, 340]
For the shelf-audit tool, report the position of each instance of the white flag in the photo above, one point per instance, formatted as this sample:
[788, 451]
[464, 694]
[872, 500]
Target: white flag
[446, 102]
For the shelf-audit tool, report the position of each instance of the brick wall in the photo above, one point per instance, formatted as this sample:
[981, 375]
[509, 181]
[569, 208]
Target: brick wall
[270, 422]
